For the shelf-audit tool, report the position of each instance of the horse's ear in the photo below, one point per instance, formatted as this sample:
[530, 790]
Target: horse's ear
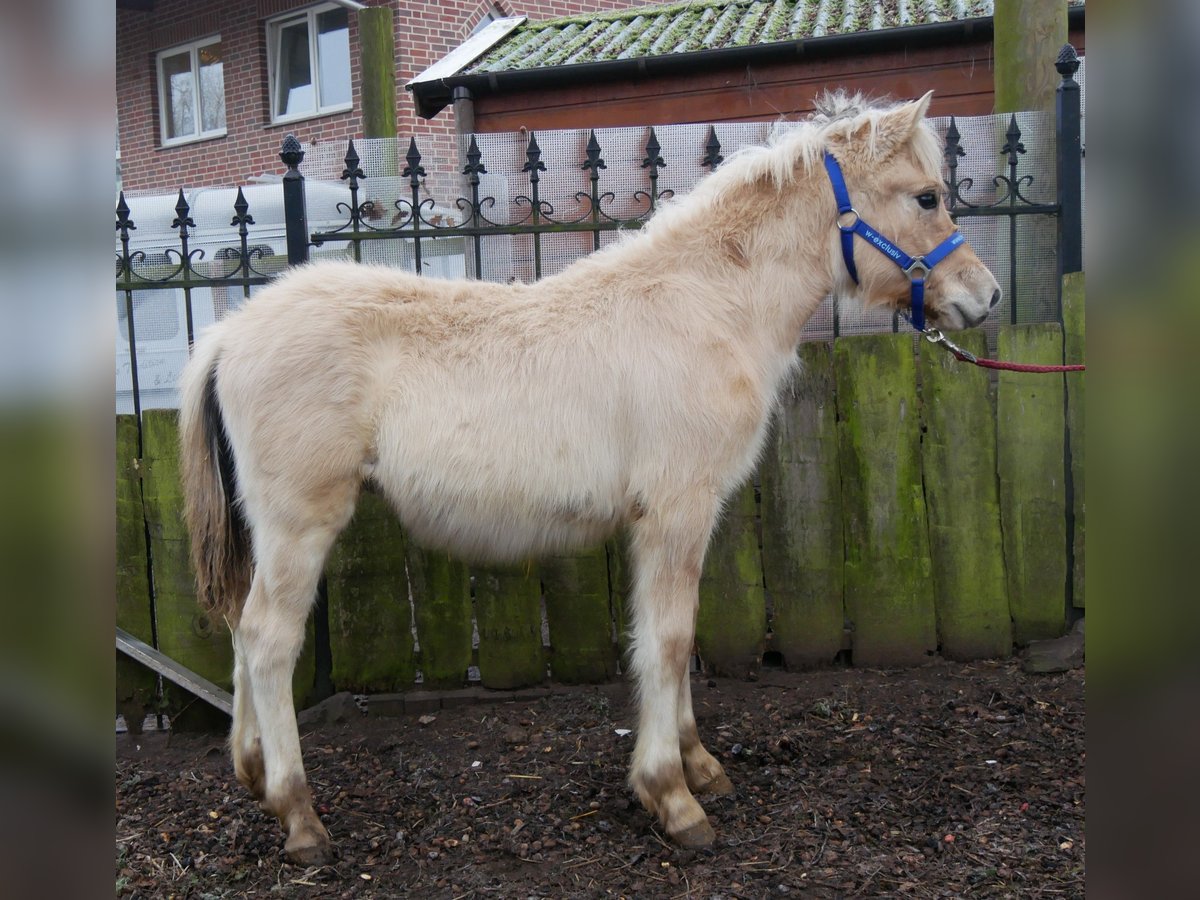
[897, 127]
[922, 106]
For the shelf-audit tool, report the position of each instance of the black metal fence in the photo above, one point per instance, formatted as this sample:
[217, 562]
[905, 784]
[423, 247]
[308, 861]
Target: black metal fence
[234, 269]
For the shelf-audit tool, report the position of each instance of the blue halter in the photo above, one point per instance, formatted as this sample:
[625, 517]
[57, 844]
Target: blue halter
[916, 268]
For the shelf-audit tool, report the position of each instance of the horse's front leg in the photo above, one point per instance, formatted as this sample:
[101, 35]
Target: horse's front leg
[667, 558]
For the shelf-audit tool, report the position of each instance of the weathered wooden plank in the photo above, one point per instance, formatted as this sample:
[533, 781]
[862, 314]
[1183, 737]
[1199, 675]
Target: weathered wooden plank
[1030, 461]
[577, 612]
[620, 573]
[802, 543]
[370, 619]
[377, 81]
[965, 543]
[135, 685]
[731, 626]
[441, 591]
[186, 633]
[1073, 354]
[136, 649]
[508, 612]
[889, 593]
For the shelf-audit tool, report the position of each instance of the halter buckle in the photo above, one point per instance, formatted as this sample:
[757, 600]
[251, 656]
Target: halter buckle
[917, 269]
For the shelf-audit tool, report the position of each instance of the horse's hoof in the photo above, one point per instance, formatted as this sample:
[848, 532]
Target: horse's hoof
[309, 850]
[717, 786]
[695, 837]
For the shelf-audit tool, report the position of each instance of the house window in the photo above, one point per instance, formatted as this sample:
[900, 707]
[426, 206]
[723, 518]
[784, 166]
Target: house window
[309, 56]
[191, 92]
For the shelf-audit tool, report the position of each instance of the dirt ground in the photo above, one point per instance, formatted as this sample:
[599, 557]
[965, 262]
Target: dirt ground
[950, 780]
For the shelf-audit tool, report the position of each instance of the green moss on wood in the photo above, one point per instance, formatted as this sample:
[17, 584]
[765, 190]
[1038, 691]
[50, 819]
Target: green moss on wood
[370, 620]
[889, 594]
[577, 612]
[731, 624]
[620, 573]
[965, 541]
[1031, 464]
[508, 613]
[377, 84]
[135, 685]
[187, 634]
[441, 591]
[802, 540]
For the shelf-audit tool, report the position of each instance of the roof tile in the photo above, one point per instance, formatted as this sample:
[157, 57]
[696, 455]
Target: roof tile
[689, 25]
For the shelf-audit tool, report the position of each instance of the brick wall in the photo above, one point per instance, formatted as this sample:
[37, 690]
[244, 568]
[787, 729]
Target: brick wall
[426, 30]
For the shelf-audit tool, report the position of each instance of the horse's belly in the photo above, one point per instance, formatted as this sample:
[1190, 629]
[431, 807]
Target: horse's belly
[501, 527]
[503, 493]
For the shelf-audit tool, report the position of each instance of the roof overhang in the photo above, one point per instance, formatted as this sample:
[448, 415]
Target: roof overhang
[432, 90]
[434, 81]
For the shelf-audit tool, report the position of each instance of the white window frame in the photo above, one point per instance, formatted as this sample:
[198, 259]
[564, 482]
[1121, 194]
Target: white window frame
[274, 36]
[193, 49]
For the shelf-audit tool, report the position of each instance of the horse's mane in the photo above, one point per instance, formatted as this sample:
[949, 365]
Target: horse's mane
[795, 148]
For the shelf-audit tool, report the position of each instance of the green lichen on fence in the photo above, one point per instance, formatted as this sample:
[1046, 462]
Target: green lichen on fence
[370, 619]
[1032, 469]
[731, 624]
[135, 685]
[889, 595]
[441, 590]
[578, 616]
[802, 516]
[959, 464]
[508, 602]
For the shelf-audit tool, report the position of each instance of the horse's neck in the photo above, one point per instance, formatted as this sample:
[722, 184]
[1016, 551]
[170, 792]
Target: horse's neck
[763, 298]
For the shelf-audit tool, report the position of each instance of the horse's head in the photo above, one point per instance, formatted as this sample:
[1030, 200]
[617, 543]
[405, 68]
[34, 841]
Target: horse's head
[891, 164]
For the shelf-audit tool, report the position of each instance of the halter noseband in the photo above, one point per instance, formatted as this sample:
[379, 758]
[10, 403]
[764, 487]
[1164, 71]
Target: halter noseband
[916, 268]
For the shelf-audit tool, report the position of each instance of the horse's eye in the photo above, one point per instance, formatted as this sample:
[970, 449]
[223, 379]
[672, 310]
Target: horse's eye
[927, 201]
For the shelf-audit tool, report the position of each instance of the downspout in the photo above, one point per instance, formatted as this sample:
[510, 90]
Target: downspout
[464, 112]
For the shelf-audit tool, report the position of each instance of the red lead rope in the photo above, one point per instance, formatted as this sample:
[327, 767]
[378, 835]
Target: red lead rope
[936, 337]
[1017, 367]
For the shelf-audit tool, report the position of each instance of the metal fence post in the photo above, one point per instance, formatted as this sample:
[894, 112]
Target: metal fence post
[295, 222]
[1069, 163]
[295, 216]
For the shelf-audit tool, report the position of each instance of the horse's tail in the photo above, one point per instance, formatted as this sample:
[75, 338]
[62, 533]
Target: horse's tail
[220, 538]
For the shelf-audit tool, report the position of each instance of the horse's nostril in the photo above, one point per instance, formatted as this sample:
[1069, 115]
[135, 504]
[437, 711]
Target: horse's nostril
[995, 298]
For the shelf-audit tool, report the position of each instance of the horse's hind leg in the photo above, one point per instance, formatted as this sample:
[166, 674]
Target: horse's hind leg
[667, 559]
[704, 775]
[289, 560]
[245, 743]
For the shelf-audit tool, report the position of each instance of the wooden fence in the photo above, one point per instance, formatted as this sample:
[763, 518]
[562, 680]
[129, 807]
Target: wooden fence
[908, 505]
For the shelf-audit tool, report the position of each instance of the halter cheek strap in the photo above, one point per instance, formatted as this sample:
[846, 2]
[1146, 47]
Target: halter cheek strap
[850, 223]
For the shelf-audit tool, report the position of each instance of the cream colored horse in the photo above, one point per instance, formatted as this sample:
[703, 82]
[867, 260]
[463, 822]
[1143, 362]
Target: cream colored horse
[506, 421]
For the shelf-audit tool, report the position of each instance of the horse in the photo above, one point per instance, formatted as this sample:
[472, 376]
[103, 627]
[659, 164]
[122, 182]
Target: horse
[633, 389]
